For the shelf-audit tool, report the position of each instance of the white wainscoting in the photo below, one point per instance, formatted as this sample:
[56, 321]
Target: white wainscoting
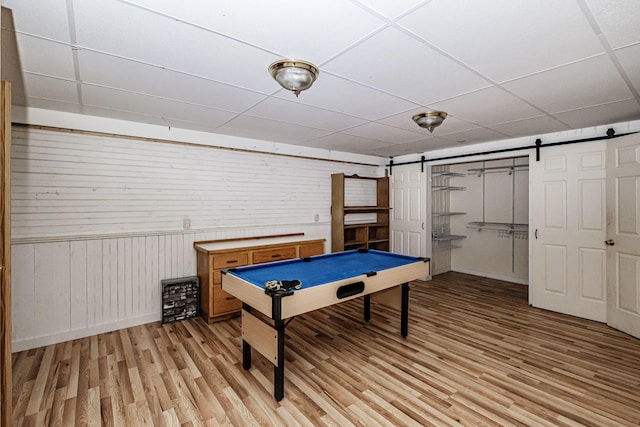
[99, 221]
[69, 289]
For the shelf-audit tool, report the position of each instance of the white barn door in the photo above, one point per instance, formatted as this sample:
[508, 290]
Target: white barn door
[567, 266]
[623, 236]
[409, 227]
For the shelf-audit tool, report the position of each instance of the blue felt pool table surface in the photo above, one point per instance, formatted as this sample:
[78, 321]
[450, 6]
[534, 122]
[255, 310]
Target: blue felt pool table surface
[323, 269]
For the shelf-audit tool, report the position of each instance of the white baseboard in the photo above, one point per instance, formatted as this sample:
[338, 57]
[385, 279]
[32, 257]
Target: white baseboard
[29, 343]
[518, 280]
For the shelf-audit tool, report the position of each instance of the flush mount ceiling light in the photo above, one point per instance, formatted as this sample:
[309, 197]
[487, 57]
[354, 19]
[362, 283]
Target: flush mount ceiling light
[430, 120]
[293, 74]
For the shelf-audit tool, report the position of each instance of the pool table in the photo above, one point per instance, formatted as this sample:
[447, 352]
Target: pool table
[324, 280]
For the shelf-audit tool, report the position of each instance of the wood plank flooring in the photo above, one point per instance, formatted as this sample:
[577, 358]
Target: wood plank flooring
[476, 354]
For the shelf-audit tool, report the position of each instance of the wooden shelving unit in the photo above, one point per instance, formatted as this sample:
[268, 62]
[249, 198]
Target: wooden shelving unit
[346, 235]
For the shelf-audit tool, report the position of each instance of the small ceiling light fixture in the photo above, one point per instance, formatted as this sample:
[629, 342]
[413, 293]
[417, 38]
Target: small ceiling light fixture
[430, 120]
[293, 74]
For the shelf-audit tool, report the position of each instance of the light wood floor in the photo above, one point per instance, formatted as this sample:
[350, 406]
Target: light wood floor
[476, 354]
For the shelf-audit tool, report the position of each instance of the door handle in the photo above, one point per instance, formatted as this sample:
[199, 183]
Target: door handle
[423, 225]
[536, 233]
[609, 242]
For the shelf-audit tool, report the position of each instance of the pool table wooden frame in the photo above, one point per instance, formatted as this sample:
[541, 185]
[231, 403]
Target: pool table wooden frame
[269, 339]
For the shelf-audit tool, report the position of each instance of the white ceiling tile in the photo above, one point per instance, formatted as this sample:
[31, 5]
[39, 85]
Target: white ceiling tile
[153, 106]
[31, 50]
[531, 126]
[619, 20]
[286, 28]
[293, 111]
[505, 39]
[46, 18]
[421, 146]
[125, 115]
[590, 82]
[407, 68]
[349, 143]
[56, 105]
[105, 70]
[630, 60]
[614, 112]
[487, 106]
[39, 86]
[384, 133]
[177, 45]
[400, 150]
[475, 136]
[257, 128]
[337, 94]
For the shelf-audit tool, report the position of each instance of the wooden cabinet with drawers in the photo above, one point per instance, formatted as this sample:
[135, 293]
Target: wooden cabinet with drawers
[213, 256]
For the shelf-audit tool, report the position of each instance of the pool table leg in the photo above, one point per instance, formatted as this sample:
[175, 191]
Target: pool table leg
[278, 370]
[278, 325]
[246, 347]
[404, 316]
[367, 308]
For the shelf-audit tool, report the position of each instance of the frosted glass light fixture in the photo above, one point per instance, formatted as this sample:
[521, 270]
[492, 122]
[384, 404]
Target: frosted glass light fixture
[430, 120]
[293, 74]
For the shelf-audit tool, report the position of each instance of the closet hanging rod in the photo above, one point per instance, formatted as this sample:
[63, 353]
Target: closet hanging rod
[510, 169]
[538, 145]
[497, 226]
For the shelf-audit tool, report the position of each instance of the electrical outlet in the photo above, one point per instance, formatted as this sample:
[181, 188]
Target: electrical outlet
[186, 224]
[316, 218]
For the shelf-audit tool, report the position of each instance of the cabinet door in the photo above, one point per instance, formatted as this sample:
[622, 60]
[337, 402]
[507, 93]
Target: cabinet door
[274, 254]
[311, 249]
[231, 259]
[223, 302]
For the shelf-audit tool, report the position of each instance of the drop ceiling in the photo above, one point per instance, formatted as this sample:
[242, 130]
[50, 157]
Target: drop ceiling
[500, 68]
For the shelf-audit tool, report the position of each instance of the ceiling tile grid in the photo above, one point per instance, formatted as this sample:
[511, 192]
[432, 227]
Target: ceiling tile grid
[499, 68]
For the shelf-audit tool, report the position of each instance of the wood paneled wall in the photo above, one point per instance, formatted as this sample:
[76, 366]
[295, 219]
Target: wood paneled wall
[98, 222]
[75, 184]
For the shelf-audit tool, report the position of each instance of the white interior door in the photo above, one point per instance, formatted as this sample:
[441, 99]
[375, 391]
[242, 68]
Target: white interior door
[567, 230]
[623, 217]
[409, 227]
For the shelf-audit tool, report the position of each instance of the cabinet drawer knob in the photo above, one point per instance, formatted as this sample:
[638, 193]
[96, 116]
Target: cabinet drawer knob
[276, 256]
[232, 261]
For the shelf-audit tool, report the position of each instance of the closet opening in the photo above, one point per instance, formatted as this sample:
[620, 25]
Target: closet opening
[480, 215]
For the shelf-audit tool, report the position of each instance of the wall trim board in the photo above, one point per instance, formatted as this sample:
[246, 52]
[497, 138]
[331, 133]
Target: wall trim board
[193, 144]
[40, 341]
[106, 126]
[246, 233]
